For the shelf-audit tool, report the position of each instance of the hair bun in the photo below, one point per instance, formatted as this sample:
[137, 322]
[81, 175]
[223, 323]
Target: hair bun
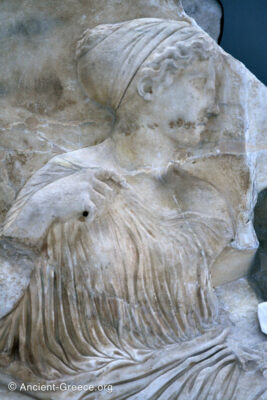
[93, 36]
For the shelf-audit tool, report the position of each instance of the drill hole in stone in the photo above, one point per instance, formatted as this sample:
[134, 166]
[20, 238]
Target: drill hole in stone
[85, 214]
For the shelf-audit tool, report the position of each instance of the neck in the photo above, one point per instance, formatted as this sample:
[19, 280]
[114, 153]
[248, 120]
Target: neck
[146, 147]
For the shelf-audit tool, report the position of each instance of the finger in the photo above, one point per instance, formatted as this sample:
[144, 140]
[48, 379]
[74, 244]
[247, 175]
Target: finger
[105, 175]
[97, 198]
[117, 178]
[101, 187]
[101, 174]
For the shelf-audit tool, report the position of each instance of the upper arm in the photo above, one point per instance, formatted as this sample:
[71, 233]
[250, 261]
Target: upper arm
[55, 169]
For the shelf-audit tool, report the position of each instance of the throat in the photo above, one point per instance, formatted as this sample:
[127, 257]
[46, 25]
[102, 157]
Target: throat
[144, 148]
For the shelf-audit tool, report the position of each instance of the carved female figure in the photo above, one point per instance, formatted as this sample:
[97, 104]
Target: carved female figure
[125, 240]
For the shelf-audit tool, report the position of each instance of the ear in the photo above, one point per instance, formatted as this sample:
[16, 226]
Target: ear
[145, 88]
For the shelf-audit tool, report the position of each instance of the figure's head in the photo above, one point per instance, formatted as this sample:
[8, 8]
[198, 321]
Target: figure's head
[157, 71]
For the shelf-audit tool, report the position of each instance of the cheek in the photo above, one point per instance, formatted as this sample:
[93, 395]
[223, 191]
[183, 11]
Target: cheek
[186, 114]
[195, 104]
[182, 110]
[183, 102]
[184, 133]
[185, 119]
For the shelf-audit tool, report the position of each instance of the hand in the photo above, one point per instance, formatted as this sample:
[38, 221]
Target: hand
[81, 195]
[89, 192]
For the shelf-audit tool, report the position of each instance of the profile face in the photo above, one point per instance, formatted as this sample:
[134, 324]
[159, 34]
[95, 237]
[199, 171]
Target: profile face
[186, 103]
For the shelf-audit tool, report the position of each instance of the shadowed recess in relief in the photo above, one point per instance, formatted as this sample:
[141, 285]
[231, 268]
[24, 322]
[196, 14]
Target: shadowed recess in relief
[258, 272]
[222, 22]
[27, 27]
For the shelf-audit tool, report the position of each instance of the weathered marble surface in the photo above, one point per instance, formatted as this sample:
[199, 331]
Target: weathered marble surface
[43, 110]
[166, 152]
[262, 315]
[207, 14]
[6, 394]
[258, 270]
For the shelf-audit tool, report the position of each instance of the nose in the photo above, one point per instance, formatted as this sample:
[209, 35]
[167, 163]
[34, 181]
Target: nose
[213, 110]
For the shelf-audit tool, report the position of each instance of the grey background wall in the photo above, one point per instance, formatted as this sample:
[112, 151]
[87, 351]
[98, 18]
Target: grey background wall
[245, 34]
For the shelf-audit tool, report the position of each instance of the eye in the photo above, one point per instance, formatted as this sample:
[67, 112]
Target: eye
[85, 213]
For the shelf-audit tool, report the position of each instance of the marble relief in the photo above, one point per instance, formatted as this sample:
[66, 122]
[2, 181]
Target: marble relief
[128, 237]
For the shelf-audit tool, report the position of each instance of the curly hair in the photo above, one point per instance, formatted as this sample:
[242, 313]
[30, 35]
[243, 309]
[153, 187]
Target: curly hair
[166, 60]
[109, 56]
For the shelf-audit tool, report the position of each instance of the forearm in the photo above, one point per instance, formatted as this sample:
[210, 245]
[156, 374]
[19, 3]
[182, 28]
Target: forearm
[87, 190]
[33, 219]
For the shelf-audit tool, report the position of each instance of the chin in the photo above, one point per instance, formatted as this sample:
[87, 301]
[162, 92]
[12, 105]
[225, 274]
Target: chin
[187, 137]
